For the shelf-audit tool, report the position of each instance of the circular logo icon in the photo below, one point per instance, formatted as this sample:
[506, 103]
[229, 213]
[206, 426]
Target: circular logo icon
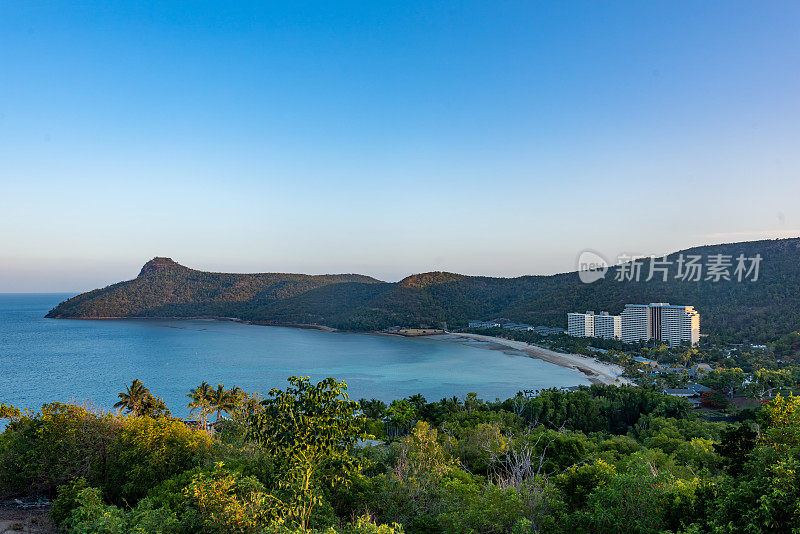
[591, 266]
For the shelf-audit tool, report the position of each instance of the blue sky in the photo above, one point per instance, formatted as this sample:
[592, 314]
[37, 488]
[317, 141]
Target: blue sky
[494, 138]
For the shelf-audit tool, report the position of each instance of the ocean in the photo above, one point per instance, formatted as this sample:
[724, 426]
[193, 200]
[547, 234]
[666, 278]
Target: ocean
[48, 360]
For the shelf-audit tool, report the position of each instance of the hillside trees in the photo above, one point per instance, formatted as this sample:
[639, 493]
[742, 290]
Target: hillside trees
[732, 311]
[309, 429]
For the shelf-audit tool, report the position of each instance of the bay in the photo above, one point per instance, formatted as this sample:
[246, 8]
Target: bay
[48, 360]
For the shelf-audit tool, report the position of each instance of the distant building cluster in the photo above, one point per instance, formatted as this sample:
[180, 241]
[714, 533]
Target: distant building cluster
[640, 322]
[501, 324]
[484, 324]
[520, 327]
[548, 330]
[653, 367]
[692, 393]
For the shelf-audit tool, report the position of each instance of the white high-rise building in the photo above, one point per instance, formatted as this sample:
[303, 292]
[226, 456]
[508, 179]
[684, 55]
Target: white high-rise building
[636, 323]
[607, 326]
[679, 324]
[662, 321]
[591, 325]
[640, 322]
[580, 324]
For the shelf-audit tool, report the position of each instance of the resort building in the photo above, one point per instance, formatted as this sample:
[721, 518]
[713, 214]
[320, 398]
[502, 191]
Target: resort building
[580, 324]
[520, 327]
[607, 326]
[640, 322]
[548, 330]
[679, 324]
[591, 325]
[660, 320]
[636, 323]
[484, 324]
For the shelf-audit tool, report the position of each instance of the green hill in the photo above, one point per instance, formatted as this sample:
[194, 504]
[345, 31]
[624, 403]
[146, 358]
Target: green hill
[731, 310]
[165, 288]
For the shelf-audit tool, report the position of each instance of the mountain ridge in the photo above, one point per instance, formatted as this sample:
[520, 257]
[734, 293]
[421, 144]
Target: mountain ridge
[756, 311]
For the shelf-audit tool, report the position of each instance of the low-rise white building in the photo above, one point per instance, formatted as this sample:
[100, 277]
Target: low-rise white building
[484, 324]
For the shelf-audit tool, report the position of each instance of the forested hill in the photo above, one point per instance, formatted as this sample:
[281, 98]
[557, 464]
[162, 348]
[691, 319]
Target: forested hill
[165, 288]
[731, 310]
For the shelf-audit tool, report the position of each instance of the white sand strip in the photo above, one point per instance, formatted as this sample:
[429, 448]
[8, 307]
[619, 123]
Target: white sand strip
[597, 371]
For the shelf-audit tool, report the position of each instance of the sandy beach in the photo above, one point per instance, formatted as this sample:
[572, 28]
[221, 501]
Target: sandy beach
[597, 371]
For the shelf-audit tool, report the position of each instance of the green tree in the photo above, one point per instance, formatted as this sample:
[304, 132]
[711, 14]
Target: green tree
[765, 381]
[687, 355]
[132, 398]
[154, 407]
[138, 400]
[638, 500]
[373, 408]
[402, 414]
[201, 401]
[237, 395]
[8, 411]
[41, 451]
[147, 451]
[736, 444]
[221, 400]
[228, 502]
[728, 380]
[579, 480]
[309, 429]
[765, 497]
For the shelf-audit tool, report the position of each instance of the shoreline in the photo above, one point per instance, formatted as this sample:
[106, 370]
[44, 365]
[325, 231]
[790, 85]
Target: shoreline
[305, 326]
[598, 372]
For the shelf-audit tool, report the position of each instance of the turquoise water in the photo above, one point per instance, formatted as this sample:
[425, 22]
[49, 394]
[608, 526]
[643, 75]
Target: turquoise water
[45, 360]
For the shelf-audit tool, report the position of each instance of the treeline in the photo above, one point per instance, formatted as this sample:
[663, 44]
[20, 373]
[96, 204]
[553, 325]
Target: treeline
[600, 459]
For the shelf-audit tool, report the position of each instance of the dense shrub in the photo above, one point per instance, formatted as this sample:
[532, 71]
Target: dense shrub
[67, 500]
[477, 471]
[579, 481]
[478, 445]
[222, 501]
[147, 451]
[93, 516]
[61, 443]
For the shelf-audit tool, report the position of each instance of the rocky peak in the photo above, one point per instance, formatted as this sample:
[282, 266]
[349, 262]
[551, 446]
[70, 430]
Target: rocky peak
[158, 265]
[430, 279]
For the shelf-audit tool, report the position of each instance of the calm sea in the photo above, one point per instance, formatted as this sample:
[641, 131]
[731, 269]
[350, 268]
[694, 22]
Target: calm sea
[45, 360]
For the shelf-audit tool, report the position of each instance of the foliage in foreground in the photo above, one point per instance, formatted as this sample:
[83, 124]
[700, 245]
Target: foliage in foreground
[601, 459]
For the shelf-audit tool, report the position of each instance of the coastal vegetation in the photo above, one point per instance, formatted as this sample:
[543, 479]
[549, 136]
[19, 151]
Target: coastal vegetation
[735, 311]
[306, 458]
[756, 371]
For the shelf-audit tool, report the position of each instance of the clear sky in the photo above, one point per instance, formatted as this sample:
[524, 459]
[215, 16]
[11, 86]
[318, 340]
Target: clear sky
[496, 138]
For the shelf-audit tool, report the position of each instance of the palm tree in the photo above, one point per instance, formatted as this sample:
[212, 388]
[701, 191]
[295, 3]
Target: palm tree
[224, 401]
[132, 399]
[238, 396]
[201, 401]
